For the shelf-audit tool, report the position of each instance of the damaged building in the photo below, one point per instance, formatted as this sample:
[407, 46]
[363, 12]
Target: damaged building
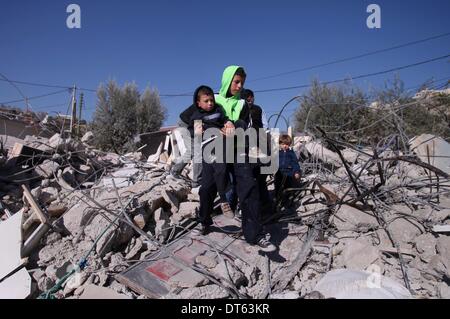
[79, 223]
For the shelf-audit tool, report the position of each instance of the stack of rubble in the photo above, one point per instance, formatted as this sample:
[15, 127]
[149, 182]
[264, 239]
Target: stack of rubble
[79, 196]
[367, 223]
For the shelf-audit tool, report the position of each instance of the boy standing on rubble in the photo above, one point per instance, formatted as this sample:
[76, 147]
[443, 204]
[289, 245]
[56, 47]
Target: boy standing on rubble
[288, 174]
[214, 174]
[237, 111]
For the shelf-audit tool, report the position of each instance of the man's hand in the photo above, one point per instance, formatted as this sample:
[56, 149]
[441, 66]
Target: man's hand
[297, 175]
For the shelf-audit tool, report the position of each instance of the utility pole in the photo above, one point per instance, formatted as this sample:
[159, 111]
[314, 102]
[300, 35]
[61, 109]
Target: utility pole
[74, 109]
[79, 113]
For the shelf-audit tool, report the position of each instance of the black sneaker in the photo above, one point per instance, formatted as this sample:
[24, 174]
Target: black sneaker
[265, 245]
[201, 230]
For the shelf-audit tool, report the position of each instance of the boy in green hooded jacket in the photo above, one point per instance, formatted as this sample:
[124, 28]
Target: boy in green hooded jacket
[237, 111]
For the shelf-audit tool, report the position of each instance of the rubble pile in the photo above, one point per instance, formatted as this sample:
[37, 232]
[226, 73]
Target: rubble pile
[366, 223]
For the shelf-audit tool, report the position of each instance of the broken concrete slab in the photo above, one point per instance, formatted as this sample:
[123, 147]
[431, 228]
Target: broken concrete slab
[444, 290]
[16, 286]
[436, 269]
[171, 199]
[187, 278]
[11, 244]
[206, 261]
[317, 150]
[230, 272]
[443, 249]
[434, 148]
[95, 292]
[426, 246]
[136, 249]
[204, 292]
[359, 254]
[187, 210]
[47, 169]
[405, 230]
[162, 220]
[48, 195]
[350, 218]
[126, 172]
[351, 284]
[285, 295]
[88, 137]
[118, 181]
[56, 141]
[76, 217]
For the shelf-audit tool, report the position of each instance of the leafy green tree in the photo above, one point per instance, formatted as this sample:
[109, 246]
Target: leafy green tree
[121, 113]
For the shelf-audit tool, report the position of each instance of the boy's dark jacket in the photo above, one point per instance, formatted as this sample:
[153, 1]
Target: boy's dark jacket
[288, 163]
[214, 118]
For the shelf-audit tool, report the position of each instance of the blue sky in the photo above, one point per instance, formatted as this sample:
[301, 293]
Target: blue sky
[176, 45]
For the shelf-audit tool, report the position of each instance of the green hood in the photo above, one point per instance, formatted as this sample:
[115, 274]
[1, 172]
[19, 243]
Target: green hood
[232, 105]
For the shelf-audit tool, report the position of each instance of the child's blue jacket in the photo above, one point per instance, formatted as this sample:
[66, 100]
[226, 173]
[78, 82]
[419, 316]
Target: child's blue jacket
[288, 164]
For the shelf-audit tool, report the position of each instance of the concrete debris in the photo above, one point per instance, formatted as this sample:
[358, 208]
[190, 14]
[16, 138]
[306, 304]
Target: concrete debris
[56, 210]
[10, 245]
[172, 200]
[320, 152]
[204, 292]
[373, 226]
[433, 150]
[206, 261]
[96, 292]
[405, 230]
[162, 224]
[285, 295]
[350, 284]
[88, 137]
[47, 169]
[359, 254]
[444, 290]
[16, 286]
[188, 278]
[426, 246]
[229, 271]
[349, 218]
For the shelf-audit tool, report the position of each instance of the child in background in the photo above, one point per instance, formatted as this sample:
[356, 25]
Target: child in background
[214, 175]
[288, 174]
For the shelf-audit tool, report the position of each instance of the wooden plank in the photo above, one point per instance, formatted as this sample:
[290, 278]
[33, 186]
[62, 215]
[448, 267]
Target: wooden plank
[42, 217]
[34, 239]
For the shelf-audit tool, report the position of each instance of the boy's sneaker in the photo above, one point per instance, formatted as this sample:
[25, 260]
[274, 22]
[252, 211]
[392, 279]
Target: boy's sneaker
[265, 245]
[201, 230]
[226, 210]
